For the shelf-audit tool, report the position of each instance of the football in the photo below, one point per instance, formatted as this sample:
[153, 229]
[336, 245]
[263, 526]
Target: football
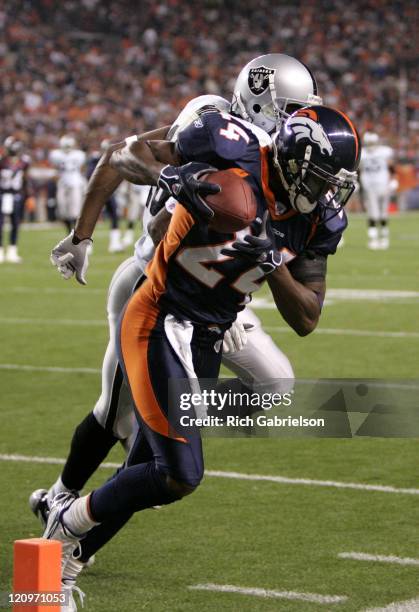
[235, 206]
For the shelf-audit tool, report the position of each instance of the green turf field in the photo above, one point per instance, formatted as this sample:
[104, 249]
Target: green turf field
[248, 533]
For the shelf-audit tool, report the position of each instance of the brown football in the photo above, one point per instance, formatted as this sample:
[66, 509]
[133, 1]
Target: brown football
[235, 206]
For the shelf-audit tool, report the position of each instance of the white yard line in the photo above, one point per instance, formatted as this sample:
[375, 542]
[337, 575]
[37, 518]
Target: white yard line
[53, 290]
[347, 295]
[257, 592]
[310, 482]
[277, 329]
[412, 605]
[54, 321]
[241, 476]
[31, 368]
[359, 556]
[347, 332]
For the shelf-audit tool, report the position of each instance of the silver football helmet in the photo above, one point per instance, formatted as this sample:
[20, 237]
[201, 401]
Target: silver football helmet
[67, 142]
[370, 139]
[270, 88]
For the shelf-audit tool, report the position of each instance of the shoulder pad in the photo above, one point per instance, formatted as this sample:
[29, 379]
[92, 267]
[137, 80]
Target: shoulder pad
[262, 136]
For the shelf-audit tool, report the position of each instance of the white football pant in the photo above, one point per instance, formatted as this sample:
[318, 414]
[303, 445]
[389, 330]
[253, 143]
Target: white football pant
[260, 360]
[376, 203]
[69, 200]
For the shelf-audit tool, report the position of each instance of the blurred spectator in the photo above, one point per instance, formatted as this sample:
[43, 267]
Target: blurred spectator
[103, 69]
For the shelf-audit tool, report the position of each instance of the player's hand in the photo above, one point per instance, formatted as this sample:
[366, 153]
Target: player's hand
[184, 184]
[71, 256]
[234, 338]
[259, 250]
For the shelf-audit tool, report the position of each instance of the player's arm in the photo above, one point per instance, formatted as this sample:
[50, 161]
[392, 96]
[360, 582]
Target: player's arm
[158, 225]
[105, 179]
[299, 301]
[161, 163]
[70, 255]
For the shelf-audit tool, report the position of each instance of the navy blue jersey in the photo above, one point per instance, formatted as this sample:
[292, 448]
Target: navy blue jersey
[13, 174]
[188, 275]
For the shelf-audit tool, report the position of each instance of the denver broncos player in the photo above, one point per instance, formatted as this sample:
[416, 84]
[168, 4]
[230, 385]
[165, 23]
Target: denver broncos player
[14, 184]
[302, 184]
[264, 91]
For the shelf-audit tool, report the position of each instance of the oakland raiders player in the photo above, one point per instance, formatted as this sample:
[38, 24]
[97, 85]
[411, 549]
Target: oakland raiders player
[376, 181]
[71, 183]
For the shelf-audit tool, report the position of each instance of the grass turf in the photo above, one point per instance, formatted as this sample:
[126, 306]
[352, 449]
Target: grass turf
[255, 534]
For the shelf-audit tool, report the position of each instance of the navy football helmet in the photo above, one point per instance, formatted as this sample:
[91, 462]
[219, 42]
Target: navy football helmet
[13, 146]
[317, 153]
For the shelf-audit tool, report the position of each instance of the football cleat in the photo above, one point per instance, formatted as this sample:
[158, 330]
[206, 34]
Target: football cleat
[69, 589]
[38, 503]
[56, 528]
[12, 255]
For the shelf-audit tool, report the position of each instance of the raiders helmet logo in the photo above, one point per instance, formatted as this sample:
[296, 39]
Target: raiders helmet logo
[305, 127]
[258, 79]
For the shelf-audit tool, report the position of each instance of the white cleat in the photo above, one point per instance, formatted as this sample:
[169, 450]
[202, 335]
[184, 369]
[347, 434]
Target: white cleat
[2, 257]
[56, 528]
[69, 589]
[115, 243]
[12, 254]
[374, 245]
[128, 238]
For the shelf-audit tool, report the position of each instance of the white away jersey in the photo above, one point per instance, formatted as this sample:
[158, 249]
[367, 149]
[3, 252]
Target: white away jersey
[374, 166]
[69, 165]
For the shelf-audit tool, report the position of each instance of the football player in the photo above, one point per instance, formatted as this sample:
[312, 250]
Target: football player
[71, 183]
[377, 181]
[247, 349]
[173, 324]
[14, 185]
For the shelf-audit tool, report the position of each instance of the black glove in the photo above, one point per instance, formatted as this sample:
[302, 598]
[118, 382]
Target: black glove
[259, 250]
[182, 182]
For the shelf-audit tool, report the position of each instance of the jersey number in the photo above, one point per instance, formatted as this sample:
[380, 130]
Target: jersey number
[197, 261]
[234, 132]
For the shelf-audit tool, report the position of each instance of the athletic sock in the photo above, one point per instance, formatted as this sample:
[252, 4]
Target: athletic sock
[78, 518]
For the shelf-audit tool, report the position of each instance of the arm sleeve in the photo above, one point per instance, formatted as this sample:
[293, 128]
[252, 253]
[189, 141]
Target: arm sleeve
[309, 267]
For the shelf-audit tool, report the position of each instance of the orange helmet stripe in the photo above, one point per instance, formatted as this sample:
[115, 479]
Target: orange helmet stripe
[353, 130]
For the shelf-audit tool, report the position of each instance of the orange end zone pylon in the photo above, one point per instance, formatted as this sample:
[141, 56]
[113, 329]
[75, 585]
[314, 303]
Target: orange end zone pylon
[37, 569]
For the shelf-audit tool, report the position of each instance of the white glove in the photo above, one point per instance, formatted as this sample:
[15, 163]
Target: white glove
[234, 338]
[71, 256]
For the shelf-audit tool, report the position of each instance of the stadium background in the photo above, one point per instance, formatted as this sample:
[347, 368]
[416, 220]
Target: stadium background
[109, 69]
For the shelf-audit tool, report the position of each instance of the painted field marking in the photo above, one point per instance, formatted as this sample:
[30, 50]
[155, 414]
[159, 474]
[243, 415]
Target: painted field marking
[277, 329]
[257, 592]
[411, 605]
[240, 476]
[54, 290]
[359, 556]
[309, 381]
[53, 321]
[328, 331]
[31, 368]
[345, 295]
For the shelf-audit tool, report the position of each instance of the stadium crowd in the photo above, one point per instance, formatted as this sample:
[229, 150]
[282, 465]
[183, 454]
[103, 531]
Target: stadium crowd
[103, 69]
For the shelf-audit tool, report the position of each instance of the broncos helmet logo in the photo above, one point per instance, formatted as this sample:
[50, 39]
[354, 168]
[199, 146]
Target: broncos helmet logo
[305, 127]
